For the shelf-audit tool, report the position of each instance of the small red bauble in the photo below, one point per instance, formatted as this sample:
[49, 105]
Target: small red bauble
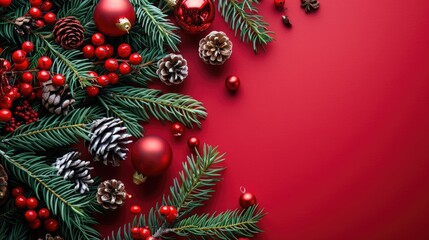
[144, 232]
[51, 225]
[50, 18]
[247, 199]
[25, 89]
[103, 80]
[135, 59]
[98, 39]
[194, 16]
[110, 50]
[35, 224]
[279, 4]
[101, 52]
[27, 77]
[114, 17]
[125, 68]
[32, 203]
[135, 209]
[40, 23]
[43, 76]
[19, 56]
[151, 155]
[43, 213]
[58, 80]
[20, 201]
[22, 66]
[88, 51]
[6, 102]
[111, 65]
[5, 3]
[35, 3]
[27, 46]
[5, 115]
[44, 63]
[92, 91]
[135, 233]
[177, 129]
[46, 5]
[18, 191]
[35, 13]
[6, 65]
[193, 142]
[124, 50]
[113, 78]
[30, 215]
[232, 83]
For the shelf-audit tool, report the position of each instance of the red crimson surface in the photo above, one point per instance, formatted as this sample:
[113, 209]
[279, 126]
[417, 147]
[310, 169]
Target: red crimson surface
[329, 129]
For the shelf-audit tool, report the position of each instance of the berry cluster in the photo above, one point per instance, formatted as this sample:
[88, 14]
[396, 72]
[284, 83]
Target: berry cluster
[114, 66]
[36, 12]
[142, 233]
[34, 218]
[24, 114]
[169, 213]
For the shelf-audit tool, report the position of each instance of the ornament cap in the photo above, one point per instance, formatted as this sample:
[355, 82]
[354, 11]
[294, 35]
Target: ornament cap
[138, 178]
[124, 24]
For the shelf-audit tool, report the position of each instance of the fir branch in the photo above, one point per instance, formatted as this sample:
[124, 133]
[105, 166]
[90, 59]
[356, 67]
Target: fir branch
[19, 230]
[243, 17]
[53, 131]
[169, 106]
[82, 10]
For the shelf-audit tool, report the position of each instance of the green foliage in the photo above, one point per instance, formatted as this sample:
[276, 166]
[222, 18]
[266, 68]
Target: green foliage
[244, 19]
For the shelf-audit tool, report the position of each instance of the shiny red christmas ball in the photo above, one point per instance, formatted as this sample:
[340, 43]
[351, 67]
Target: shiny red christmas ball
[114, 17]
[135, 59]
[44, 63]
[101, 52]
[88, 51]
[58, 80]
[135, 209]
[5, 115]
[193, 142]
[35, 13]
[98, 39]
[18, 191]
[247, 199]
[22, 66]
[232, 83]
[177, 129]
[135, 233]
[43, 76]
[25, 89]
[32, 203]
[20, 202]
[124, 50]
[19, 56]
[51, 225]
[92, 91]
[43, 213]
[35, 224]
[111, 65]
[113, 78]
[103, 80]
[5, 3]
[30, 215]
[194, 16]
[151, 155]
[27, 46]
[279, 4]
[46, 6]
[35, 3]
[50, 18]
[125, 68]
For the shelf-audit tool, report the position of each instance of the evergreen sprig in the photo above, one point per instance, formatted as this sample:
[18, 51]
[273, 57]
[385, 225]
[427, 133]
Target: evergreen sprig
[244, 19]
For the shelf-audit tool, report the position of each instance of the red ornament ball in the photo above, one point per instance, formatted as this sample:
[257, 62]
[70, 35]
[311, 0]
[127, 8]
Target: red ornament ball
[101, 52]
[177, 129]
[26, 89]
[58, 80]
[43, 76]
[22, 66]
[5, 115]
[135, 209]
[18, 191]
[20, 202]
[43, 213]
[151, 155]
[88, 51]
[46, 6]
[5, 3]
[51, 225]
[193, 142]
[114, 17]
[125, 68]
[92, 91]
[32, 203]
[27, 46]
[279, 4]
[135, 59]
[135, 233]
[19, 56]
[50, 18]
[98, 39]
[194, 16]
[35, 224]
[124, 50]
[44, 63]
[247, 199]
[30, 215]
[232, 83]
[35, 13]
[113, 78]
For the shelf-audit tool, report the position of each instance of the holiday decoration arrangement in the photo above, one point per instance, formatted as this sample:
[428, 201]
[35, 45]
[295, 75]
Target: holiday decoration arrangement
[75, 70]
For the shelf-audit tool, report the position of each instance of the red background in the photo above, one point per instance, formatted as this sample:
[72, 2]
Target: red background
[330, 128]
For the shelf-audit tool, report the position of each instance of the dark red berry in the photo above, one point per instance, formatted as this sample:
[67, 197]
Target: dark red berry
[92, 91]
[18, 191]
[6, 102]
[135, 59]
[27, 77]
[101, 52]
[35, 13]
[125, 68]
[43, 76]
[58, 80]
[113, 78]
[26, 89]
[144, 232]
[27, 46]
[30, 215]
[110, 50]
[46, 6]
[164, 210]
[20, 202]
[103, 80]
[124, 50]
[22, 66]
[135, 209]
[135, 233]
[5, 115]
[98, 39]
[19, 56]
[35, 3]
[32, 203]
[51, 225]
[43, 213]
[6, 65]
[111, 65]
[40, 23]
[88, 51]
[50, 18]
[44, 63]
[35, 224]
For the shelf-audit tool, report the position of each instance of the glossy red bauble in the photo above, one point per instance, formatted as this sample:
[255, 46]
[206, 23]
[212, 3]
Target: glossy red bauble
[103, 80]
[30, 215]
[98, 39]
[35, 224]
[279, 4]
[5, 115]
[5, 3]
[58, 80]
[247, 199]
[44, 63]
[35, 3]
[111, 65]
[43, 213]
[43, 76]
[193, 142]
[232, 83]
[35, 13]
[22, 66]
[177, 129]
[114, 17]
[92, 91]
[151, 155]
[25, 89]
[113, 78]
[124, 50]
[50, 18]
[27, 46]
[6, 102]
[32, 203]
[101, 52]
[125, 68]
[88, 51]
[46, 6]
[20, 202]
[194, 16]
[135, 209]
[135, 59]
[135, 233]
[18, 191]
[19, 56]
[51, 225]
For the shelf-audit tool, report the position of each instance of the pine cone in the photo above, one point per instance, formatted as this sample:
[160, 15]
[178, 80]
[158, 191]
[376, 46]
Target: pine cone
[50, 237]
[71, 168]
[24, 25]
[57, 100]
[108, 141]
[172, 69]
[3, 183]
[215, 48]
[111, 194]
[310, 5]
[69, 33]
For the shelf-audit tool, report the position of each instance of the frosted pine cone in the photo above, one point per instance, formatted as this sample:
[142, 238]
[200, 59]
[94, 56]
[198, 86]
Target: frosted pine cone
[215, 48]
[69, 33]
[56, 99]
[71, 168]
[111, 194]
[172, 69]
[108, 141]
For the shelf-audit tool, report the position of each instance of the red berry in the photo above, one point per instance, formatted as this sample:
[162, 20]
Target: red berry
[6, 102]
[35, 224]
[35, 13]
[43, 213]
[92, 91]
[35, 3]
[279, 4]
[124, 50]
[18, 191]
[125, 68]
[20, 202]
[113, 78]
[103, 80]
[193, 142]
[32, 203]
[110, 50]
[135, 209]
[19, 56]
[135, 59]
[111, 64]
[5, 3]
[46, 6]
[97, 39]
[177, 129]
[88, 51]
[135, 233]
[101, 52]
[44, 63]
[7, 66]
[150, 238]
[50, 18]
[26, 89]
[43, 76]
[27, 77]
[27, 46]
[58, 80]
[164, 210]
[40, 23]
[22, 66]
[170, 217]
[144, 232]
[232, 83]
[92, 74]
[30, 215]
[51, 225]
